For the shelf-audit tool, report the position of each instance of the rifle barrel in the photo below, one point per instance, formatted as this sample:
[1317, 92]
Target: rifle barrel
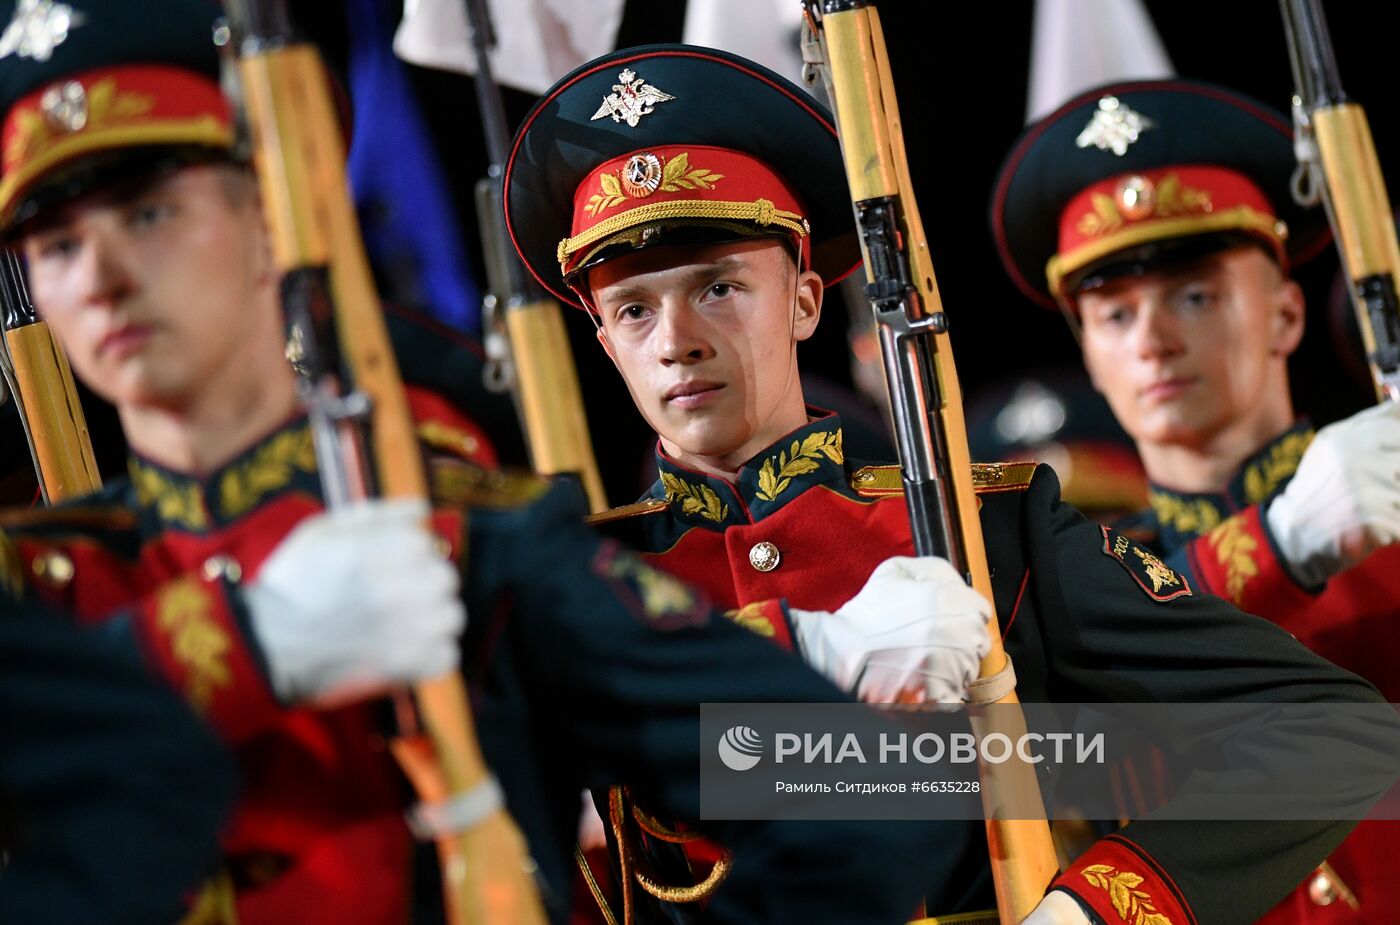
[1339, 149]
[45, 394]
[1315, 71]
[926, 399]
[301, 172]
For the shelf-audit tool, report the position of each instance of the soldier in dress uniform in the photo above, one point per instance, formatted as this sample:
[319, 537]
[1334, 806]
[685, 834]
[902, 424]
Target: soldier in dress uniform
[695, 205]
[147, 255]
[1158, 217]
[1057, 418]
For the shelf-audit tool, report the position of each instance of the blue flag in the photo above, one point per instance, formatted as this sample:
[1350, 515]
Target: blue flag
[405, 205]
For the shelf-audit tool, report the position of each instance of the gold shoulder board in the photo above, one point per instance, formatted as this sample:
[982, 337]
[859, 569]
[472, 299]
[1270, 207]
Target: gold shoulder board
[113, 517]
[993, 477]
[456, 482]
[640, 508]
[878, 481]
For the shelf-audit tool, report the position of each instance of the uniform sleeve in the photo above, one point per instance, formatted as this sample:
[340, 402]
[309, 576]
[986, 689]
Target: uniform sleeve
[1117, 625]
[771, 619]
[113, 791]
[1238, 561]
[601, 662]
[193, 630]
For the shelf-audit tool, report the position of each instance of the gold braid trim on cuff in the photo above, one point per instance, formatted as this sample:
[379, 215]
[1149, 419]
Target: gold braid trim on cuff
[631, 864]
[617, 818]
[686, 894]
[653, 827]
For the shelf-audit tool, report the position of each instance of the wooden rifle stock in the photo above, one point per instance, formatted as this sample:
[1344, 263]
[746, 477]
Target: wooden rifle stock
[550, 401]
[545, 379]
[46, 395]
[300, 162]
[925, 398]
[1339, 162]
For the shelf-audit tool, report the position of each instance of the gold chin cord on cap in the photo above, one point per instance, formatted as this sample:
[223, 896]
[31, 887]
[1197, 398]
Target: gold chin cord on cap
[761, 212]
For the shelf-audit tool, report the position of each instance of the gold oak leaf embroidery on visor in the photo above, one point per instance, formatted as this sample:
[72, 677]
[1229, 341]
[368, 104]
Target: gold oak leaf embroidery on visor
[1132, 905]
[675, 175]
[678, 175]
[1140, 199]
[608, 195]
[105, 107]
[184, 612]
[801, 458]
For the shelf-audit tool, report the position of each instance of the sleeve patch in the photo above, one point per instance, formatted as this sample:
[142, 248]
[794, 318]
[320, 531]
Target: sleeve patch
[1151, 574]
[658, 600]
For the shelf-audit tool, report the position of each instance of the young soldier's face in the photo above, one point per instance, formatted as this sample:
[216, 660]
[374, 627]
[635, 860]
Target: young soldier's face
[1186, 351]
[706, 339]
[151, 290]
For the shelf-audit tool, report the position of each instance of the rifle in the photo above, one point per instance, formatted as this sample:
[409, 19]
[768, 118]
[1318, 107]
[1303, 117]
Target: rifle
[844, 42]
[364, 436]
[527, 345]
[44, 393]
[1337, 162]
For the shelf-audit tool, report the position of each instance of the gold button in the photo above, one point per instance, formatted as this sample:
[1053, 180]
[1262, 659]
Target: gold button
[222, 566]
[442, 547]
[53, 567]
[764, 556]
[865, 475]
[1321, 890]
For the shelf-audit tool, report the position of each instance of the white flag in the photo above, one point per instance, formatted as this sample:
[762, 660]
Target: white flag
[766, 31]
[1079, 44]
[537, 41]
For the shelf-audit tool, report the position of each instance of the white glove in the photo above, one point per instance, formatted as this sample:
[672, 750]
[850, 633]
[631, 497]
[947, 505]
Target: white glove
[356, 601]
[1344, 500]
[915, 632]
[1057, 908]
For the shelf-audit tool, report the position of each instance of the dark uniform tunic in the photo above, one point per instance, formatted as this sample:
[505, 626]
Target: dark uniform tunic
[1220, 543]
[586, 666]
[1087, 615]
[111, 791]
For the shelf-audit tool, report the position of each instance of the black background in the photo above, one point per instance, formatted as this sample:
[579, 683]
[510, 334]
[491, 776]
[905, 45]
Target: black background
[960, 70]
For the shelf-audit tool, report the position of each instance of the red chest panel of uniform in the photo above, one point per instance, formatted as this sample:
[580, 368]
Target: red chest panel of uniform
[1355, 621]
[826, 546]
